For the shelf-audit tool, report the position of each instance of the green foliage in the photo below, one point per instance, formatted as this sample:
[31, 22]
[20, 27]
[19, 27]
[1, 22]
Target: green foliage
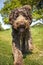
[6, 20]
[11, 4]
[8, 6]
[29, 2]
[37, 14]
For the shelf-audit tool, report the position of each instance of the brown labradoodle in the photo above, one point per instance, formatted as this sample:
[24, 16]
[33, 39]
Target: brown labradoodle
[20, 19]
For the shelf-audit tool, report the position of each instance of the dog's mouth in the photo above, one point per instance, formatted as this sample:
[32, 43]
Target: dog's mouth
[21, 28]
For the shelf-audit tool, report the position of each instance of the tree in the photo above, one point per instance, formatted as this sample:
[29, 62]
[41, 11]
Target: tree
[8, 6]
[37, 13]
[11, 4]
[40, 4]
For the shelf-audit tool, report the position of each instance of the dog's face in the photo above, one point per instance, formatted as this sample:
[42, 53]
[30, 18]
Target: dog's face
[20, 18]
[21, 23]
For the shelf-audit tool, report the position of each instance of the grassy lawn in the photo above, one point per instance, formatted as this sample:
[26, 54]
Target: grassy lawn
[36, 58]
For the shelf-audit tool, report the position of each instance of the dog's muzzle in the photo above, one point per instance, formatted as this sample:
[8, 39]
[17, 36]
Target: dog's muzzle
[21, 28]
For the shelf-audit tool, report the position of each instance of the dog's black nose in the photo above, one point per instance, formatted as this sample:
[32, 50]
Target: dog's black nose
[22, 26]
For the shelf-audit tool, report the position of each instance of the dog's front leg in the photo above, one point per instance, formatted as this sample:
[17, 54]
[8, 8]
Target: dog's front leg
[18, 57]
[30, 45]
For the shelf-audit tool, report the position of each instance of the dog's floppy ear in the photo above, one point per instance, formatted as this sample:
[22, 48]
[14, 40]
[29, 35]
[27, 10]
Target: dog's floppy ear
[13, 15]
[28, 13]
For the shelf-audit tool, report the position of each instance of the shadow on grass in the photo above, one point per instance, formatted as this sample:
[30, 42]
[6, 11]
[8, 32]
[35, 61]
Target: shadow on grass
[27, 53]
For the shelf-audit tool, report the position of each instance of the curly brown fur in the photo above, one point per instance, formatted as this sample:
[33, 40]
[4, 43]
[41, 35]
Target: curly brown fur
[20, 19]
[18, 57]
[25, 11]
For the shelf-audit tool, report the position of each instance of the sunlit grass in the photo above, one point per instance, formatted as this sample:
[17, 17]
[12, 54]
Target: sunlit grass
[36, 58]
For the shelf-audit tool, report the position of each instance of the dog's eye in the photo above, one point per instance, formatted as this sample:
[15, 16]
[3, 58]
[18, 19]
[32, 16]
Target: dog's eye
[24, 15]
[17, 15]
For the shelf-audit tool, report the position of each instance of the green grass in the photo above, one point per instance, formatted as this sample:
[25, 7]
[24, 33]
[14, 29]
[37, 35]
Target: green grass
[36, 58]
